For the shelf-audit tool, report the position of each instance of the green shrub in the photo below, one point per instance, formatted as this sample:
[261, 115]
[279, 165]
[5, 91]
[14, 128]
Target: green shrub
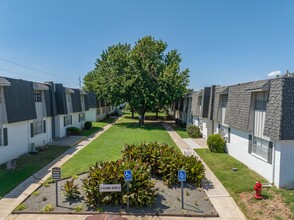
[194, 131]
[78, 208]
[20, 207]
[142, 191]
[73, 131]
[216, 143]
[47, 208]
[88, 125]
[165, 162]
[71, 191]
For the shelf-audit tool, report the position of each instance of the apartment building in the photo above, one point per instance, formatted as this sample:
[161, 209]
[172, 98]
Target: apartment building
[257, 121]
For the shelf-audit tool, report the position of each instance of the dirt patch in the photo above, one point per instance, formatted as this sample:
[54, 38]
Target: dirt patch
[271, 207]
[168, 201]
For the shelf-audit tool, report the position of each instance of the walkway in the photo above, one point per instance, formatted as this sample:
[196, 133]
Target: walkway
[10, 201]
[220, 198]
[218, 195]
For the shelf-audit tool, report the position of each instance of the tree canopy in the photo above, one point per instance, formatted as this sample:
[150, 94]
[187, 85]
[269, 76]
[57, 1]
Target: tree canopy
[144, 76]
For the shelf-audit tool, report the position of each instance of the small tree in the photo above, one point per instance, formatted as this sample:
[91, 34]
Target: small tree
[216, 143]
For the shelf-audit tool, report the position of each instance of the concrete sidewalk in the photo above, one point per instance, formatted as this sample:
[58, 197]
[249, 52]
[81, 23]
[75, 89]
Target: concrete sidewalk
[220, 198]
[10, 201]
[218, 195]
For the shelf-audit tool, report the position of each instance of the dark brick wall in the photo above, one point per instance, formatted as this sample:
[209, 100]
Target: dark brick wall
[19, 101]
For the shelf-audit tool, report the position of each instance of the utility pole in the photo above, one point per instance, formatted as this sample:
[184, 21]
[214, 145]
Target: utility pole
[80, 82]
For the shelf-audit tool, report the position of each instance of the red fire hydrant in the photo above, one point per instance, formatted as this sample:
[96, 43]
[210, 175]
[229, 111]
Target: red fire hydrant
[258, 188]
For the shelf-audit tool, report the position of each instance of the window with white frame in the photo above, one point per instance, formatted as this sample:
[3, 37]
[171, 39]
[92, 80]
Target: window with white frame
[260, 147]
[199, 104]
[223, 101]
[68, 97]
[37, 127]
[38, 96]
[67, 120]
[261, 99]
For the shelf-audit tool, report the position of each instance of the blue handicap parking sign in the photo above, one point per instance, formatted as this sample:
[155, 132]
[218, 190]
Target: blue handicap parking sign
[128, 175]
[182, 175]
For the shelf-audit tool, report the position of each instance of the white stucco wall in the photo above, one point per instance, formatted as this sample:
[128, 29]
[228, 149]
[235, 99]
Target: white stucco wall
[60, 130]
[101, 116]
[91, 114]
[284, 158]
[238, 148]
[206, 127]
[195, 120]
[18, 141]
[76, 122]
[42, 138]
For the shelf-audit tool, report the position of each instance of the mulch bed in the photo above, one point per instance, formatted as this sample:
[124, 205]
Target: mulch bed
[196, 202]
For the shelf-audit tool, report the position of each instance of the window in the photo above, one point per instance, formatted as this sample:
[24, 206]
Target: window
[199, 104]
[223, 101]
[225, 132]
[67, 120]
[260, 147]
[38, 96]
[37, 127]
[81, 117]
[261, 99]
[68, 97]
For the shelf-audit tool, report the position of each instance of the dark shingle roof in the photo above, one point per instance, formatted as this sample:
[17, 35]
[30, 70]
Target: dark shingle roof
[92, 100]
[239, 101]
[19, 101]
[76, 101]
[60, 99]
[4, 82]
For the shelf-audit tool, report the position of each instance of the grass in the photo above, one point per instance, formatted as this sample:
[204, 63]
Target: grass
[239, 181]
[26, 165]
[180, 130]
[96, 126]
[108, 146]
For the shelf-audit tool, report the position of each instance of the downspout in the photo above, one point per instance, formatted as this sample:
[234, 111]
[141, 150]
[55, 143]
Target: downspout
[274, 163]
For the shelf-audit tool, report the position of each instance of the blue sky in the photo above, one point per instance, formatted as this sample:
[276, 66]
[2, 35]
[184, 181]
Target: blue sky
[222, 41]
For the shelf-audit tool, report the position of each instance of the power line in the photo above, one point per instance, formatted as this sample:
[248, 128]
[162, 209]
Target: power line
[34, 76]
[31, 68]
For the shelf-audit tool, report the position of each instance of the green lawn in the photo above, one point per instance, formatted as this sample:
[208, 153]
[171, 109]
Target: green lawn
[109, 145]
[239, 181]
[96, 126]
[180, 130]
[26, 165]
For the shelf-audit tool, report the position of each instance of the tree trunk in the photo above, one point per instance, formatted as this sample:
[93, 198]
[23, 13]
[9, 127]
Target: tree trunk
[156, 117]
[141, 119]
[132, 110]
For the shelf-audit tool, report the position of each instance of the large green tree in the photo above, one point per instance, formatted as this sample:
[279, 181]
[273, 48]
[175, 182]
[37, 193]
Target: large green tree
[144, 76]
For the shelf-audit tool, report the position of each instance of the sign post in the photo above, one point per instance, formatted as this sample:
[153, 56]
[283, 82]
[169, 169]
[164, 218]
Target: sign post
[56, 175]
[128, 178]
[182, 177]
